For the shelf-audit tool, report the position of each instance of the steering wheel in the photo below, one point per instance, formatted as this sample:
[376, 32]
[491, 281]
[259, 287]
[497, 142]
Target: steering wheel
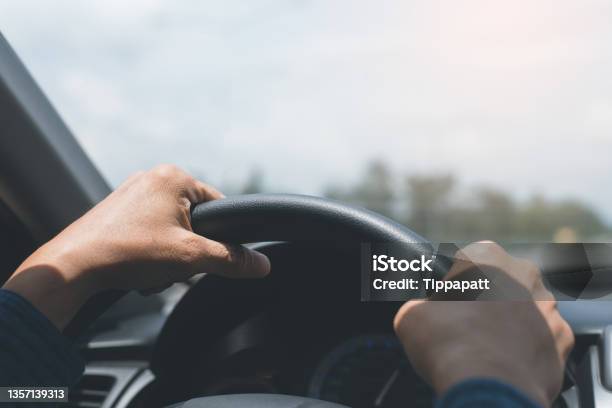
[295, 218]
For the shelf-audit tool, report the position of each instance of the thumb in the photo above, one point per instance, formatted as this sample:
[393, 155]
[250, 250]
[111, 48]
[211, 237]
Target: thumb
[229, 260]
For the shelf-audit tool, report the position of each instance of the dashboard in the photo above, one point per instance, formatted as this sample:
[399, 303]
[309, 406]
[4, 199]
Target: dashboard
[369, 371]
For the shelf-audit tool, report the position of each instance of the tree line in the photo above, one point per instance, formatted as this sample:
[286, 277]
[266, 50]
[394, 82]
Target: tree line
[439, 208]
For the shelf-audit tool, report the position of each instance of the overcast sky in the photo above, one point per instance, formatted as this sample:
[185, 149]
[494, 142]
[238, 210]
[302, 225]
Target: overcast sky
[516, 94]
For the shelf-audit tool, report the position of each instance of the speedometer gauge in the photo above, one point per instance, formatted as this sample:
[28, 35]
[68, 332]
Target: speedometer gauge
[369, 372]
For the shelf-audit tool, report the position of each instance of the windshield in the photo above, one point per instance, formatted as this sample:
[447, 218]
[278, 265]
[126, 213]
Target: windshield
[463, 120]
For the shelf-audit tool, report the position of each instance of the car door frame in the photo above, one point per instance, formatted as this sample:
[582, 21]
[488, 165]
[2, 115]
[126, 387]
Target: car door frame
[46, 178]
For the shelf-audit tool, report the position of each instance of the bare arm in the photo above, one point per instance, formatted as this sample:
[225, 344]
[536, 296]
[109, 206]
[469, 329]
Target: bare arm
[122, 244]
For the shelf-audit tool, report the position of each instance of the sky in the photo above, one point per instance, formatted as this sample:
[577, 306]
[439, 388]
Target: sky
[516, 95]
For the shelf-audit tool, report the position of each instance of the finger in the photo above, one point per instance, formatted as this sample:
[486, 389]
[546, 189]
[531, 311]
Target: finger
[562, 332]
[206, 192]
[179, 180]
[485, 254]
[404, 311]
[528, 274]
[481, 253]
[198, 192]
[559, 327]
[568, 340]
[232, 261]
[541, 293]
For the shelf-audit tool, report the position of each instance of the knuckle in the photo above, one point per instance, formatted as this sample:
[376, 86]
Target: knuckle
[493, 248]
[531, 274]
[134, 178]
[568, 333]
[190, 251]
[563, 333]
[530, 267]
[402, 315]
[548, 308]
[541, 293]
[547, 295]
[166, 171]
[482, 252]
[219, 252]
[397, 321]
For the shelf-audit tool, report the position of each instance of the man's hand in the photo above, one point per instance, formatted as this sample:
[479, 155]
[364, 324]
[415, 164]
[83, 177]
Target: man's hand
[139, 237]
[524, 343]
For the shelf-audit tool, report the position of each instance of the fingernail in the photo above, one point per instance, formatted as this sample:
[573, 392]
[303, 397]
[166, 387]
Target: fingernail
[261, 264]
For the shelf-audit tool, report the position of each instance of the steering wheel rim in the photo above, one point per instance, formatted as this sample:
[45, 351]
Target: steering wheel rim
[291, 217]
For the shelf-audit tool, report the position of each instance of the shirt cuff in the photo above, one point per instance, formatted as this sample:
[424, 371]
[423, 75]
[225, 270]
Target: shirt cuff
[485, 392]
[32, 350]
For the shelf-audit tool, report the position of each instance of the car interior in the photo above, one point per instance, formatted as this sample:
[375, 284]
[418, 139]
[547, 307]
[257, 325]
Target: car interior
[303, 331]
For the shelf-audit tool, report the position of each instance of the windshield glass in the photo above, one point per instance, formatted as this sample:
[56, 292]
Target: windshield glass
[463, 120]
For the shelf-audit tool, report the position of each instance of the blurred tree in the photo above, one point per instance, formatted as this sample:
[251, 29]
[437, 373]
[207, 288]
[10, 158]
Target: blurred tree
[497, 212]
[254, 183]
[580, 218]
[536, 220]
[432, 206]
[541, 219]
[429, 199]
[490, 214]
[373, 191]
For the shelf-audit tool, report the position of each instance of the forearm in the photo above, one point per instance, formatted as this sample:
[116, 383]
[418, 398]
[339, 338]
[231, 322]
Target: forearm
[51, 283]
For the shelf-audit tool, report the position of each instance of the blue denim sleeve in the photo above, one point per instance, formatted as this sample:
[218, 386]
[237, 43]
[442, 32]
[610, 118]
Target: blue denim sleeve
[484, 392]
[33, 352]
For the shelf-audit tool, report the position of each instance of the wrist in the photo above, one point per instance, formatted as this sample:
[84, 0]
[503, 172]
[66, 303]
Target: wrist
[53, 282]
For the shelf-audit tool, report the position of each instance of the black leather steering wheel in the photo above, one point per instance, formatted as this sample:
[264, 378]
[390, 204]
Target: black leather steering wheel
[259, 217]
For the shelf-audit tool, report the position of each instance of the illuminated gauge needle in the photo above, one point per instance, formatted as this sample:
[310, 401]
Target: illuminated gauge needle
[385, 389]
